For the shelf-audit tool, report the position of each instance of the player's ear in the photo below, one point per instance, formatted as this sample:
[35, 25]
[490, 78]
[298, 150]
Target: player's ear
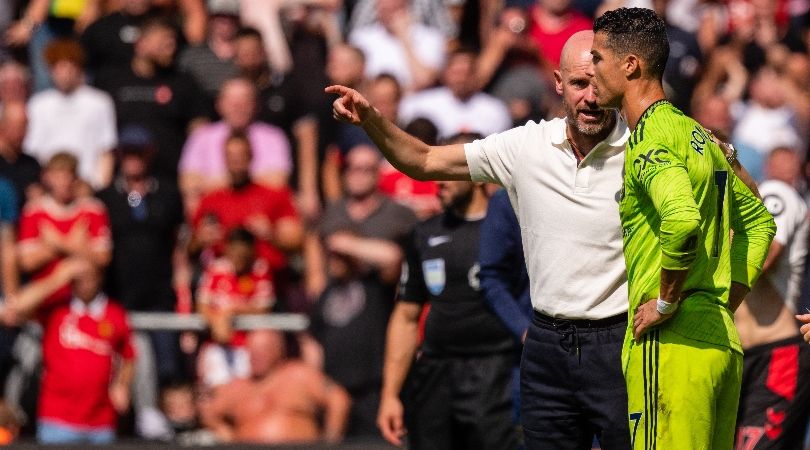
[632, 66]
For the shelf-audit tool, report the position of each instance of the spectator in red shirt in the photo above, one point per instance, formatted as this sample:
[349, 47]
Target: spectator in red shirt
[62, 223]
[268, 213]
[82, 390]
[552, 23]
[237, 283]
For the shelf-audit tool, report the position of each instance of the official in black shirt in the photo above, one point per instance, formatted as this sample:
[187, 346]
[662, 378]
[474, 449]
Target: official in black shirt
[457, 393]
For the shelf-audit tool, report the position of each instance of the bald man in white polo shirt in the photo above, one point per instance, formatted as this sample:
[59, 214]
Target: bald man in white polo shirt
[563, 177]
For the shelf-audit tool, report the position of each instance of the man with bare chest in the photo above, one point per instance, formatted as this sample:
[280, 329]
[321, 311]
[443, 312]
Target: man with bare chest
[280, 402]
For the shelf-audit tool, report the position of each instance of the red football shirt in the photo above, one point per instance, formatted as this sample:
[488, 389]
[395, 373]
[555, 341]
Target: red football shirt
[222, 288]
[62, 218]
[232, 207]
[78, 347]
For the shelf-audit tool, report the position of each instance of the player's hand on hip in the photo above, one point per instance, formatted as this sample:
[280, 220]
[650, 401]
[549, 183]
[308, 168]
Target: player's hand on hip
[390, 419]
[646, 317]
[350, 107]
[805, 329]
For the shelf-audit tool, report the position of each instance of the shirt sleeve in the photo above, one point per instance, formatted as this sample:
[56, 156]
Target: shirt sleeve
[412, 287]
[99, 229]
[754, 229]
[499, 244]
[192, 158]
[786, 207]
[494, 158]
[662, 175]
[108, 132]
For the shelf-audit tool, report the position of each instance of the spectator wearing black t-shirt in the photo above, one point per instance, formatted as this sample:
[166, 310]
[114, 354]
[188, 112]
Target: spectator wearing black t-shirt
[20, 168]
[109, 41]
[150, 93]
[359, 248]
[458, 391]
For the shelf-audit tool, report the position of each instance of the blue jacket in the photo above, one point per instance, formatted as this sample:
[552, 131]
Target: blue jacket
[503, 276]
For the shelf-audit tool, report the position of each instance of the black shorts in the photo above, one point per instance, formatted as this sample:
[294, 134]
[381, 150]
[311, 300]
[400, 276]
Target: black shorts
[775, 396]
[462, 403]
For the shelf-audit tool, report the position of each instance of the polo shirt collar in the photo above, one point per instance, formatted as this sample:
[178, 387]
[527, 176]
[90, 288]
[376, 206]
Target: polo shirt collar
[94, 309]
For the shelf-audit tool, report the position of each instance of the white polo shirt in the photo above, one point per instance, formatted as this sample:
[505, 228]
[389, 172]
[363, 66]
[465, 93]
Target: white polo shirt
[568, 214]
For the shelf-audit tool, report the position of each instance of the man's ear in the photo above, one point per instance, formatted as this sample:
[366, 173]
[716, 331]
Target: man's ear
[558, 82]
[632, 66]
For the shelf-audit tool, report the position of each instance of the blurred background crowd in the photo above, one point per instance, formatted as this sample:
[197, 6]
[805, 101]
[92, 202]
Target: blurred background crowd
[187, 147]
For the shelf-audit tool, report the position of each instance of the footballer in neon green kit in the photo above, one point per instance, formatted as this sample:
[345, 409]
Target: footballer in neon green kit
[681, 200]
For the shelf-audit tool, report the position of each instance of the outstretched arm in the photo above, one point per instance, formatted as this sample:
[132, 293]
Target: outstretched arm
[21, 306]
[408, 154]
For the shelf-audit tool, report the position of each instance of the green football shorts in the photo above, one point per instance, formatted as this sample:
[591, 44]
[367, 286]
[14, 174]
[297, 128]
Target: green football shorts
[683, 394]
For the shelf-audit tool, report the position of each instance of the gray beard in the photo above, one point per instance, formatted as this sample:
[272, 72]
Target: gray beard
[592, 129]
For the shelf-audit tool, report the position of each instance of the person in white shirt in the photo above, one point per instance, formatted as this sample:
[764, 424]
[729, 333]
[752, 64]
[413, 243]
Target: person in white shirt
[775, 398]
[72, 117]
[563, 177]
[457, 106]
[408, 50]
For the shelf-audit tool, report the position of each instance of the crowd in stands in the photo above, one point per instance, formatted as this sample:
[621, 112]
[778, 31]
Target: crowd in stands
[180, 156]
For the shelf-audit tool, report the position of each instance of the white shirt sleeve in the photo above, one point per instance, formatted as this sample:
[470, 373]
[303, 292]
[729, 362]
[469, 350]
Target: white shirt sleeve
[33, 141]
[108, 132]
[494, 158]
[786, 206]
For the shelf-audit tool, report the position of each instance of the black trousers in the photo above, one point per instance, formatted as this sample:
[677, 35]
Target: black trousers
[462, 403]
[572, 387]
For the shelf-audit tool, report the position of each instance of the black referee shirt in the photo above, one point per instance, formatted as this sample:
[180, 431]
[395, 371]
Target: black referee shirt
[442, 268]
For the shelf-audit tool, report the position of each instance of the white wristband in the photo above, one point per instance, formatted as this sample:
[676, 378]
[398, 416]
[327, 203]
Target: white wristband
[665, 307]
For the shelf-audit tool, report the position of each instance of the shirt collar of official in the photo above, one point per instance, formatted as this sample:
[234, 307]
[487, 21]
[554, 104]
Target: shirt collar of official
[616, 138]
[94, 309]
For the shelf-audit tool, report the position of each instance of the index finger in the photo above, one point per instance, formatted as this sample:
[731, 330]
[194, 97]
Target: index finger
[337, 89]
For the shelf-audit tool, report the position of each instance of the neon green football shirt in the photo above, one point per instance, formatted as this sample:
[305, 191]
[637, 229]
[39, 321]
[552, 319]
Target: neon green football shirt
[680, 201]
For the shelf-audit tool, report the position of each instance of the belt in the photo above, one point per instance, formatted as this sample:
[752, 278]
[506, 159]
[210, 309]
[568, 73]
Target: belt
[552, 322]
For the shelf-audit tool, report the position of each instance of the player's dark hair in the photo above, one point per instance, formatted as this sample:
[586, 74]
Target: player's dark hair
[241, 235]
[639, 31]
